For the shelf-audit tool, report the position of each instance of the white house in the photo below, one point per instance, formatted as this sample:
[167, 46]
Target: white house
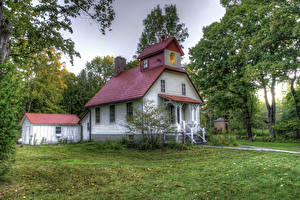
[40, 128]
[159, 78]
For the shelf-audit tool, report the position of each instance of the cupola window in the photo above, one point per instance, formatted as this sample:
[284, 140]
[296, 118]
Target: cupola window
[172, 58]
[145, 63]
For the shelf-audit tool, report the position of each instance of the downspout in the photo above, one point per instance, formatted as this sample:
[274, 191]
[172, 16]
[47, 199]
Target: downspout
[90, 128]
[81, 134]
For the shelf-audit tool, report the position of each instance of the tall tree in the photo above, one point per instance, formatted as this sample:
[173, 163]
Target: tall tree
[159, 23]
[101, 69]
[10, 109]
[256, 44]
[44, 84]
[81, 88]
[29, 27]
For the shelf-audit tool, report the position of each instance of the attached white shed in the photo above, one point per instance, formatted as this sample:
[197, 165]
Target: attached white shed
[41, 128]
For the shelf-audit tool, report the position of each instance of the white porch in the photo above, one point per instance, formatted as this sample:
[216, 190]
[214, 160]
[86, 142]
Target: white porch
[184, 115]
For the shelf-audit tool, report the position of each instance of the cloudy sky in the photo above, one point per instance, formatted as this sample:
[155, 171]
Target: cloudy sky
[128, 25]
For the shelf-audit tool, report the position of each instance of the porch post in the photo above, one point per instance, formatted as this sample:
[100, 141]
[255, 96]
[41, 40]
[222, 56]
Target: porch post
[176, 116]
[180, 117]
[180, 113]
[192, 112]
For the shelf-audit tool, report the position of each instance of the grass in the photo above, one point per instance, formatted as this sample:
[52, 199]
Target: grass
[274, 145]
[87, 171]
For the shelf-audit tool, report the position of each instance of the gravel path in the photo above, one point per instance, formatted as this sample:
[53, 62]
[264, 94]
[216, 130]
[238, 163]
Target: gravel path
[252, 148]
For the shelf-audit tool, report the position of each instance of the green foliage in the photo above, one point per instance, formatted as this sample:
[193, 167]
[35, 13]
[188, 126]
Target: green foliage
[81, 88]
[44, 84]
[151, 122]
[158, 23]
[132, 64]
[221, 140]
[288, 126]
[10, 109]
[254, 45]
[100, 69]
[39, 26]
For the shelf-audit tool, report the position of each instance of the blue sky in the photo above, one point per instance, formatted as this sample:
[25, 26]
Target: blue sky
[128, 25]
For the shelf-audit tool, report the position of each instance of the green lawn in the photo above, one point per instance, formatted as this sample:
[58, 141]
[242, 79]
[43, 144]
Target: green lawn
[84, 171]
[274, 145]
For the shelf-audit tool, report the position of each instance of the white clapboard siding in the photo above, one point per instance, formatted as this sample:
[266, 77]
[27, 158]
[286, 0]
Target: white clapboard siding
[37, 134]
[105, 127]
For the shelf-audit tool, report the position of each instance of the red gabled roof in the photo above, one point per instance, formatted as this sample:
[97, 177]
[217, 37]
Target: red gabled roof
[180, 99]
[43, 118]
[159, 47]
[129, 84]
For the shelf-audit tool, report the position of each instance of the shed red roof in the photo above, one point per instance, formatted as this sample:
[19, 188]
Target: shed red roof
[180, 99]
[129, 84]
[43, 118]
[159, 47]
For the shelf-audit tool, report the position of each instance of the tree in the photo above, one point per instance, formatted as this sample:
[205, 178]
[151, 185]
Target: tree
[44, 84]
[158, 23]
[28, 27]
[151, 122]
[273, 47]
[260, 38]
[101, 69]
[11, 105]
[219, 65]
[81, 88]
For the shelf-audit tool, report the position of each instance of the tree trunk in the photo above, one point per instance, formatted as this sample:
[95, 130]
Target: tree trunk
[247, 119]
[271, 109]
[5, 34]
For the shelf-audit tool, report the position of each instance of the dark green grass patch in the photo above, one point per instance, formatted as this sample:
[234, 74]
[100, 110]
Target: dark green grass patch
[85, 171]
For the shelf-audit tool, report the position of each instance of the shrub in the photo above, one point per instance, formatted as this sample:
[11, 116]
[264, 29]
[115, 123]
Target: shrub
[152, 123]
[111, 145]
[221, 140]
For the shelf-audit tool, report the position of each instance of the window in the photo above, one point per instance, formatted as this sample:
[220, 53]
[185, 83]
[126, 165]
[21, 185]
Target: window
[88, 126]
[162, 85]
[129, 109]
[58, 131]
[172, 58]
[97, 115]
[183, 89]
[112, 113]
[145, 63]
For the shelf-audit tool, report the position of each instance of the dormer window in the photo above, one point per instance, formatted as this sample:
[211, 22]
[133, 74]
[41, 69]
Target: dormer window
[172, 58]
[145, 63]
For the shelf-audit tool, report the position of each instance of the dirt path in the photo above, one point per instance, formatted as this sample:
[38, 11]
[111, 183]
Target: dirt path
[252, 148]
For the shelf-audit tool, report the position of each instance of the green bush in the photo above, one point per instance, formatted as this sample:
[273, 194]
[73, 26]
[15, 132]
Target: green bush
[111, 145]
[10, 108]
[221, 140]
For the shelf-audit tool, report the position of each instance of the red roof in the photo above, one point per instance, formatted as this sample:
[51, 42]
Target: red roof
[43, 118]
[129, 84]
[180, 99]
[159, 47]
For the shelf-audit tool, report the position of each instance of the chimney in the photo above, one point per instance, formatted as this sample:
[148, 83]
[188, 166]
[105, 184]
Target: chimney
[163, 37]
[120, 64]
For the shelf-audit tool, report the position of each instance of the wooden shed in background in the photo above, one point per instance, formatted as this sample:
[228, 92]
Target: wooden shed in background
[220, 124]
